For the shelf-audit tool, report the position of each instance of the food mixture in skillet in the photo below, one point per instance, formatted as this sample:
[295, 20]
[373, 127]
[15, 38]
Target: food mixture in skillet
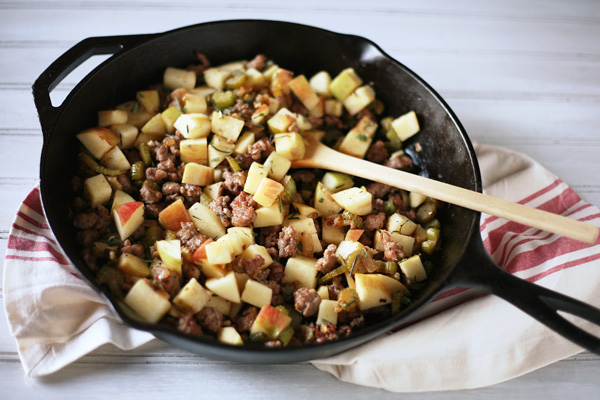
[187, 209]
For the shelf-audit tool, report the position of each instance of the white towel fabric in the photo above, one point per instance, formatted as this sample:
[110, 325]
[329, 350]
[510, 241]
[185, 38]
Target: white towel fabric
[467, 341]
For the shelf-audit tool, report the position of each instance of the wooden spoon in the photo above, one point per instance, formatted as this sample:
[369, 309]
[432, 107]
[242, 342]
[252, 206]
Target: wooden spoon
[320, 156]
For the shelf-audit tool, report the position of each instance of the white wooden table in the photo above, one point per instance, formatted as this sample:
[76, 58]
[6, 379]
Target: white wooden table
[520, 74]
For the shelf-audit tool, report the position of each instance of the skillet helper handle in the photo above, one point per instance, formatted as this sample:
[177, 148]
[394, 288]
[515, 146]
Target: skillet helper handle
[540, 303]
[65, 64]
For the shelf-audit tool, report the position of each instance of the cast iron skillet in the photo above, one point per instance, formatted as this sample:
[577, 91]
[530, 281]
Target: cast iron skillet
[448, 155]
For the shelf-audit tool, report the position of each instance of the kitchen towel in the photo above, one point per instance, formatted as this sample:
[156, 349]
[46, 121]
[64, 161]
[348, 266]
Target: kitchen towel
[468, 339]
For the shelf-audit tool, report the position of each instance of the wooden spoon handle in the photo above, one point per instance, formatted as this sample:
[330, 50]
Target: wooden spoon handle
[326, 158]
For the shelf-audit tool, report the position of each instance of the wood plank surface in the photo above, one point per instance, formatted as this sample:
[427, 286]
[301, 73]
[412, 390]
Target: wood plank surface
[519, 74]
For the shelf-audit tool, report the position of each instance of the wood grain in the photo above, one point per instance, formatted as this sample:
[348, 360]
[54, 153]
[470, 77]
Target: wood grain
[519, 74]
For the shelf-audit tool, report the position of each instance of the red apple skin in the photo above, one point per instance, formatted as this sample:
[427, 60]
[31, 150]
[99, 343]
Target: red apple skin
[272, 321]
[200, 253]
[279, 86]
[354, 234]
[125, 211]
[107, 135]
[173, 216]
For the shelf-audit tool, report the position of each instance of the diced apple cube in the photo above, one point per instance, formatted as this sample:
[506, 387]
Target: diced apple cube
[332, 235]
[112, 117]
[260, 114]
[194, 103]
[337, 181]
[301, 224]
[303, 90]
[306, 211]
[279, 82]
[206, 221]
[173, 216]
[235, 243]
[344, 84]
[115, 159]
[155, 127]
[270, 71]
[277, 165]
[193, 126]
[257, 250]
[357, 142]
[334, 107]
[267, 192]
[128, 218]
[127, 132]
[356, 200]
[229, 335]
[271, 322]
[98, 141]
[97, 190]
[324, 201]
[226, 126]
[216, 77]
[320, 83]
[192, 297]
[301, 269]
[255, 78]
[302, 123]
[407, 242]
[406, 125]
[290, 145]
[281, 121]
[213, 190]
[327, 313]
[218, 252]
[246, 139]
[225, 287]
[218, 150]
[224, 306]
[268, 216]
[256, 173]
[119, 198]
[169, 117]
[274, 104]
[133, 265]
[346, 249]
[197, 174]
[149, 99]
[257, 294]
[413, 269]
[359, 99]
[170, 254]
[401, 224]
[139, 118]
[371, 291]
[151, 304]
[416, 199]
[323, 292]
[246, 234]
[175, 78]
[194, 151]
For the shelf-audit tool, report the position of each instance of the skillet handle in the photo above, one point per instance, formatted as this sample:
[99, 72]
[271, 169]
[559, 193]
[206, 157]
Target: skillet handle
[540, 303]
[65, 64]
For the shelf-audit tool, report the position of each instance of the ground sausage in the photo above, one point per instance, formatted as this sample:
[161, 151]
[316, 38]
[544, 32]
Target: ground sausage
[244, 321]
[307, 301]
[392, 250]
[234, 182]
[375, 221]
[220, 206]
[287, 242]
[210, 319]
[328, 262]
[404, 163]
[242, 210]
[187, 324]
[377, 152]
